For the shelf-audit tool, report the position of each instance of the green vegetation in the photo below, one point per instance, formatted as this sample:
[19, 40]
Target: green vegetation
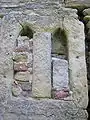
[61, 34]
[59, 42]
[27, 30]
[1, 16]
[87, 18]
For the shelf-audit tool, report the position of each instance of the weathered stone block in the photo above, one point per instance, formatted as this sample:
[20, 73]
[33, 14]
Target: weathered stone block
[41, 86]
[77, 63]
[21, 66]
[26, 86]
[60, 73]
[16, 90]
[20, 58]
[23, 76]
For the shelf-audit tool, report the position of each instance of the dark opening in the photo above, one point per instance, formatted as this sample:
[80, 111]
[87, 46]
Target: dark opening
[59, 42]
[59, 51]
[26, 31]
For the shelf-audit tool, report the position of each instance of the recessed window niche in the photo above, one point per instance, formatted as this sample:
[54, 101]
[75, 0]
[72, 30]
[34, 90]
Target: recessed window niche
[27, 30]
[60, 80]
[23, 63]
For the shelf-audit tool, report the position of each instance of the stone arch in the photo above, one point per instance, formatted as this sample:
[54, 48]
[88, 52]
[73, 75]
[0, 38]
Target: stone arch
[59, 42]
[60, 75]
[26, 30]
[23, 62]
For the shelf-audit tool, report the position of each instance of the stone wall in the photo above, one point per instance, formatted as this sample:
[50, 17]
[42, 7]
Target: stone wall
[42, 58]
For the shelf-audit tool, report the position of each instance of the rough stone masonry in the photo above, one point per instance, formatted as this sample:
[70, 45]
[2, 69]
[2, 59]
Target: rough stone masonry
[42, 61]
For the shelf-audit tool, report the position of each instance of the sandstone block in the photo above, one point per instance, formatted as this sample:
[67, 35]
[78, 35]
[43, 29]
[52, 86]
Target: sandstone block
[21, 66]
[60, 73]
[16, 90]
[23, 76]
[41, 86]
[77, 63]
[26, 86]
[20, 58]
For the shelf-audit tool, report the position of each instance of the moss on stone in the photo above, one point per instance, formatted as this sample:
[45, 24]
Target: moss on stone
[27, 30]
[20, 58]
[87, 18]
[50, 29]
[79, 7]
[1, 16]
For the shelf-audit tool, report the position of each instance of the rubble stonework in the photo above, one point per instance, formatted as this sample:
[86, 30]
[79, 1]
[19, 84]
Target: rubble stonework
[42, 61]
[22, 84]
[41, 86]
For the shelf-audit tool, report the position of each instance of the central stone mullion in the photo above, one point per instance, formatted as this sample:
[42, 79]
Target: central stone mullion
[41, 86]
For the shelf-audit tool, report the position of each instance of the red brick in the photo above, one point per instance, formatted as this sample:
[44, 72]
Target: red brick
[22, 49]
[60, 94]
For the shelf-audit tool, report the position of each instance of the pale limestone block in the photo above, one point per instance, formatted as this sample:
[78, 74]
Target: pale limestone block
[41, 86]
[23, 76]
[77, 64]
[60, 73]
